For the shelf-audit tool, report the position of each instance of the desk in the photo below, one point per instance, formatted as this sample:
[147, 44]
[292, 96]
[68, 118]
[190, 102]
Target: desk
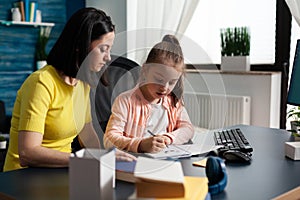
[269, 175]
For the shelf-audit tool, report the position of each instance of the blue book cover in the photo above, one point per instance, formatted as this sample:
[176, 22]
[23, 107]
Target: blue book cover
[26, 5]
[125, 166]
[125, 171]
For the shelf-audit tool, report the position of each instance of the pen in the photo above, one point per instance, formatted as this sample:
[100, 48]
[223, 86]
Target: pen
[151, 133]
[154, 135]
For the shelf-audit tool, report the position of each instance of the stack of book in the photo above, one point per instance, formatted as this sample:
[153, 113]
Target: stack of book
[161, 179]
[125, 170]
[28, 10]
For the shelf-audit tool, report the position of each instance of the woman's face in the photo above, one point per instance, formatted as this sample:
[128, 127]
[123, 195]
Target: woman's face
[100, 51]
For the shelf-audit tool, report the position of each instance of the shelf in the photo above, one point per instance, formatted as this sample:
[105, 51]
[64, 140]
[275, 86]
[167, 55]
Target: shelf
[35, 24]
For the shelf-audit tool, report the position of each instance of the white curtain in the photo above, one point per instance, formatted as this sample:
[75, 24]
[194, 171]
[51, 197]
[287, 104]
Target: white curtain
[294, 6]
[148, 21]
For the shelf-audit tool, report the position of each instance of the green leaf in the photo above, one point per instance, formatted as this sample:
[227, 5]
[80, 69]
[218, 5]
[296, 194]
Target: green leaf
[42, 43]
[235, 41]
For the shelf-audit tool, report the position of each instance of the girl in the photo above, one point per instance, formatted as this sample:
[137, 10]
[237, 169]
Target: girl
[152, 115]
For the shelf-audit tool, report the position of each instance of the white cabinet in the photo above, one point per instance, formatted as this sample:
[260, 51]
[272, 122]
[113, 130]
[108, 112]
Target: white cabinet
[264, 88]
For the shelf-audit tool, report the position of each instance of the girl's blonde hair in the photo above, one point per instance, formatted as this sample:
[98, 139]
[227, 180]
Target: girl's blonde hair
[168, 52]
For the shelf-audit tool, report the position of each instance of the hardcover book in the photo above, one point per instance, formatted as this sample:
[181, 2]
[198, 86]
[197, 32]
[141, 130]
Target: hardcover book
[125, 171]
[158, 178]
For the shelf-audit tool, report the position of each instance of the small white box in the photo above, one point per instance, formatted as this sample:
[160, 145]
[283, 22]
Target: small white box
[292, 150]
[92, 174]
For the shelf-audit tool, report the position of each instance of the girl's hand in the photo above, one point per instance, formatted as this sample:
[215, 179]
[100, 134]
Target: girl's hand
[167, 140]
[152, 144]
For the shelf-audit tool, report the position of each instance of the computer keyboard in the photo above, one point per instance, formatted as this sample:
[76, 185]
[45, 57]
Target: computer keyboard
[232, 139]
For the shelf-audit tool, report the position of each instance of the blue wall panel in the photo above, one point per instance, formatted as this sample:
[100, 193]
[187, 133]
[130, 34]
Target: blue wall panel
[17, 46]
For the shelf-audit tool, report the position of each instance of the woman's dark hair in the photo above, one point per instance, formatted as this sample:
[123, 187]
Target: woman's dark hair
[73, 45]
[169, 50]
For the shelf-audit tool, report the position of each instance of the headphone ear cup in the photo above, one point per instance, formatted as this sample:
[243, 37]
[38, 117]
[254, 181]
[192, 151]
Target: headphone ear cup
[216, 174]
[213, 170]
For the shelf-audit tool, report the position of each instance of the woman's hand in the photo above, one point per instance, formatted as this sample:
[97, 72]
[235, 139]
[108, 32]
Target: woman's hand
[152, 144]
[121, 155]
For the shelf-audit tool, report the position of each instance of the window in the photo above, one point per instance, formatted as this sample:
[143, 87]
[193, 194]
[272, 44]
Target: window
[212, 15]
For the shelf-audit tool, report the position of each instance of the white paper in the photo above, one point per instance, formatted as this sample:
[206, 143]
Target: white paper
[160, 170]
[197, 149]
[172, 151]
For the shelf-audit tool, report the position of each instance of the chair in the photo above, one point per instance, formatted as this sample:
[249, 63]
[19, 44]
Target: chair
[123, 75]
[4, 119]
[4, 129]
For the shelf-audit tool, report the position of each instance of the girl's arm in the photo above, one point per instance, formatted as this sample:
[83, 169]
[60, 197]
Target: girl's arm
[114, 134]
[88, 137]
[184, 129]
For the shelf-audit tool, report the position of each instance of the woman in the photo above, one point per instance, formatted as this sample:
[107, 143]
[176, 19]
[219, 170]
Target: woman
[53, 106]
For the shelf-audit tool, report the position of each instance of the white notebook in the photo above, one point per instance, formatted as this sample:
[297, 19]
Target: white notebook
[172, 151]
[182, 151]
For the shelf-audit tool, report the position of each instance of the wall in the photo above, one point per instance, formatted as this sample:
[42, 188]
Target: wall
[262, 87]
[17, 46]
[17, 43]
[116, 9]
[72, 6]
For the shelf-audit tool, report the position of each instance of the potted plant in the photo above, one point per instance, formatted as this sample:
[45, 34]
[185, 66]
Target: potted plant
[235, 49]
[294, 115]
[2, 142]
[41, 55]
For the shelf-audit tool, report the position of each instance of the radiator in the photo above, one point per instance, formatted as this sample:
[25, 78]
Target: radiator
[214, 111]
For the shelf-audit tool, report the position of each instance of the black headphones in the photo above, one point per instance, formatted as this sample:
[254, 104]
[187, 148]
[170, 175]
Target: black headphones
[216, 173]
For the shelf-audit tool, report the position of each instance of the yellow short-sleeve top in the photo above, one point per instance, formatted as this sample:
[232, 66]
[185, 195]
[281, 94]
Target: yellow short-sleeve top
[47, 105]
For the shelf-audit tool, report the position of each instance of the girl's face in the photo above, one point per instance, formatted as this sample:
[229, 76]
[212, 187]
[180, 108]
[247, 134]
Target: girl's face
[100, 51]
[160, 80]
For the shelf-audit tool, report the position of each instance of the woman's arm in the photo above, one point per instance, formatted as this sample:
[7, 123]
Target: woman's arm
[31, 152]
[88, 137]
